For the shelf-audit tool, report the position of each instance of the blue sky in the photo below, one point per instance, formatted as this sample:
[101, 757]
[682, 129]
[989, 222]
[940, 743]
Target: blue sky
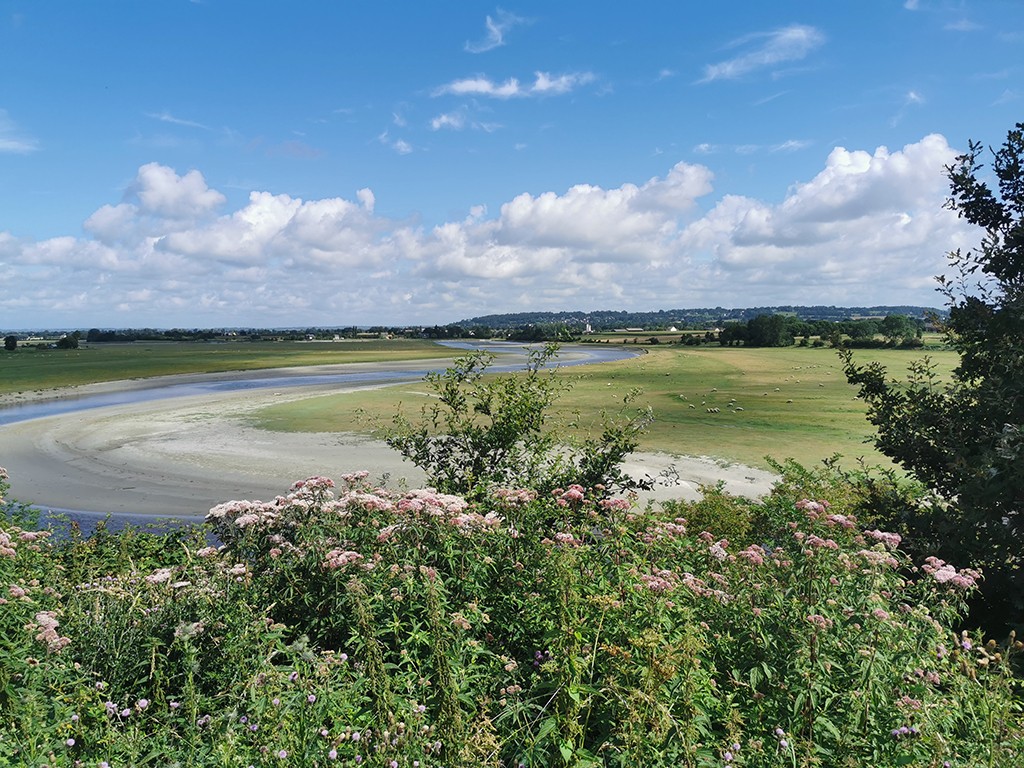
[220, 163]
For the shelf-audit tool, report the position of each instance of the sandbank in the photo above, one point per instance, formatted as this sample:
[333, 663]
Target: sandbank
[182, 456]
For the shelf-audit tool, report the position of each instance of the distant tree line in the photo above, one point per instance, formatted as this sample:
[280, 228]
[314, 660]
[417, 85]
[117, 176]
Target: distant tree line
[746, 327]
[784, 330]
[687, 319]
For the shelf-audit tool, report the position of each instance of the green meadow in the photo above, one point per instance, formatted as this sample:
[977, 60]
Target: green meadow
[34, 368]
[785, 403]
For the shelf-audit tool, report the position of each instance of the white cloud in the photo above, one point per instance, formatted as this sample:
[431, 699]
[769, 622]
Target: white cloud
[167, 117]
[869, 227]
[765, 50]
[401, 146]
[792, 145]
[497, 28]
[162, 192]
[12, 140]
[454, 120]
[962, 25]
[544, 84]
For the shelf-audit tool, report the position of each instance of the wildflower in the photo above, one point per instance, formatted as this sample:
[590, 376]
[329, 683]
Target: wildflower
[282, 753]
[46, 623]
[141, 704]
[332, 755]
[70, 742]
[944, 573]
[159, 576]
[821, 622]
[311, 698]
[890, 540]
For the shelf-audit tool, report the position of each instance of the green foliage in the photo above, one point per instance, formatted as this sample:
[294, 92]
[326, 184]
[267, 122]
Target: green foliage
[10, 343]
[963, 439]
[361, 626]
[721, 514]
[486, 430]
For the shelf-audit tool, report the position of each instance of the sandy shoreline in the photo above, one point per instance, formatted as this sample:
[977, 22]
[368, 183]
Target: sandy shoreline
[182, 456]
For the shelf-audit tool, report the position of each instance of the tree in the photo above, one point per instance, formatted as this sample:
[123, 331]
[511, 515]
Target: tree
[68, 342]
[899, 329]
[768, 331]
[10, 343]
[493, 431]
[965, 438]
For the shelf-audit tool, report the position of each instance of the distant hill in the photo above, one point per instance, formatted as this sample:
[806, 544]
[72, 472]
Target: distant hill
[693, 318]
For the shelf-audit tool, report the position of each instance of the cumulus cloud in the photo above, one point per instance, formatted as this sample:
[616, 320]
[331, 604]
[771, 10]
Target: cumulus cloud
[497, 27]
[765, 50]
[162, 192]
[869, 227]
[544, 84]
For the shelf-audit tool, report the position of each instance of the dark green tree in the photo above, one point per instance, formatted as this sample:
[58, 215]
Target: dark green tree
[965, 438]
[10, 343]
[68, 342]
[768, 331]
[899, 329]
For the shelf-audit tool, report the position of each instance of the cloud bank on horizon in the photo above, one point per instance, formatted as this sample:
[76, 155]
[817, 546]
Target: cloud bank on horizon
[742, 164]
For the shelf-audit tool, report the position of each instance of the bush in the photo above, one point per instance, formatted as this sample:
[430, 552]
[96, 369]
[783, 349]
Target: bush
[486, 430]
[358, 625]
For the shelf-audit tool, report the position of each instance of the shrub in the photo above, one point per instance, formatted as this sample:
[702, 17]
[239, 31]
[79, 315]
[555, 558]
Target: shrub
[358, 625]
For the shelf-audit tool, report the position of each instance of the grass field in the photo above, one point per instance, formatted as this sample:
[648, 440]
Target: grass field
[32, 368]
[786, 403]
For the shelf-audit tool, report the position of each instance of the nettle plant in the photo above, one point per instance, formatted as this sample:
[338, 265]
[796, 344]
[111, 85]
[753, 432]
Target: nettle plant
[356, 625]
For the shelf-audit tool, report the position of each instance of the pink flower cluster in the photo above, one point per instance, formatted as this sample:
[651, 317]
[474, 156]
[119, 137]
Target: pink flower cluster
[890, 540]
[340, 558]
[664, 530]
[659, 581]
[944, 573]
[814, 509]
[514, 497]
[314, 486]
[245, 513]
[429, 502]
[8, 545]
[46, 623]
[574, 494]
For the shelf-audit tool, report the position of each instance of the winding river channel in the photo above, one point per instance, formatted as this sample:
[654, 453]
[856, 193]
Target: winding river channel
[129, 450]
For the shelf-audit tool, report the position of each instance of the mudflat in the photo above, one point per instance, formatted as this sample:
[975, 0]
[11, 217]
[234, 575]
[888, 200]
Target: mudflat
[182, 456]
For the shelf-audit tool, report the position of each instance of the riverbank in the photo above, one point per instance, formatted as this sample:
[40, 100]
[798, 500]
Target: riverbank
[182, 456]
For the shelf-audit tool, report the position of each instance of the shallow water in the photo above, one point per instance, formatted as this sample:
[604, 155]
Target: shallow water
[63, 519]
[279, 379]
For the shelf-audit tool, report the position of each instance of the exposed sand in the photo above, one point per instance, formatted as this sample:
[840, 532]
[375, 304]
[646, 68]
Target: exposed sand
[182, 456]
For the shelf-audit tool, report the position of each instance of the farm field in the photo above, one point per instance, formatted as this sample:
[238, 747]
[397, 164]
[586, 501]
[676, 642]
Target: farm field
[38, 368]
[791, 402]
